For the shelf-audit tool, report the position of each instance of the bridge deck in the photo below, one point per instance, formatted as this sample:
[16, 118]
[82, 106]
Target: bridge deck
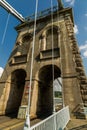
[77, 124]
[11, 123]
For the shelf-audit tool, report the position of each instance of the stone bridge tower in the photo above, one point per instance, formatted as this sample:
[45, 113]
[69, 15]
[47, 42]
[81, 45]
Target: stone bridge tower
[65, 61]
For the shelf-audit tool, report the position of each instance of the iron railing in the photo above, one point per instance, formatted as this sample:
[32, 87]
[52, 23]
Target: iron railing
[42, 13]
[57, 121]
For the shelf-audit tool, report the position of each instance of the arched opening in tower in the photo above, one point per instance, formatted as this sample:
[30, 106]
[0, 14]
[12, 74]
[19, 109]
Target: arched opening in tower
[15, 92]
[46, 93]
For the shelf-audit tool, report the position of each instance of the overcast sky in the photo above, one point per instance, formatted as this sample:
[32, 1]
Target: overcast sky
[26, 8]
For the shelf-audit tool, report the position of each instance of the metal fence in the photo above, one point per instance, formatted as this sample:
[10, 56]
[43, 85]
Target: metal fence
[42, 13]
[57, 121]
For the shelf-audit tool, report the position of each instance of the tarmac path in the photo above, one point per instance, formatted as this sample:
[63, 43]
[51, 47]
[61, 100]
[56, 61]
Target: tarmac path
[8, 123]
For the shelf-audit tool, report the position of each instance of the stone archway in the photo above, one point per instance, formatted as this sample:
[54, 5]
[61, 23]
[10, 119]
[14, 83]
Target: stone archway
[15, 91]
[45, 94]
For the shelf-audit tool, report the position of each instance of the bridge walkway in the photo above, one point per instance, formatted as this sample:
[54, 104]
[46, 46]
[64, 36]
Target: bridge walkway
[55, 121]
[77, 124]
[12, 123]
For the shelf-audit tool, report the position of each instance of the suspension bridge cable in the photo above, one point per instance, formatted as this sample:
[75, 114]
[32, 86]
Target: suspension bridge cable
[52, 54]
[59, 36]
[59, 82]
[33, 45]
[3, 38]
[27, 123]
[53, 62]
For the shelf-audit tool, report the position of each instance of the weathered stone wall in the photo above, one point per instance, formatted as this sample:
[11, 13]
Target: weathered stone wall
[64, 60]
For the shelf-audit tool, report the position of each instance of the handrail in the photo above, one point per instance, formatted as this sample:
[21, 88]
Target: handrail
[57, 120]
[42, 13]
